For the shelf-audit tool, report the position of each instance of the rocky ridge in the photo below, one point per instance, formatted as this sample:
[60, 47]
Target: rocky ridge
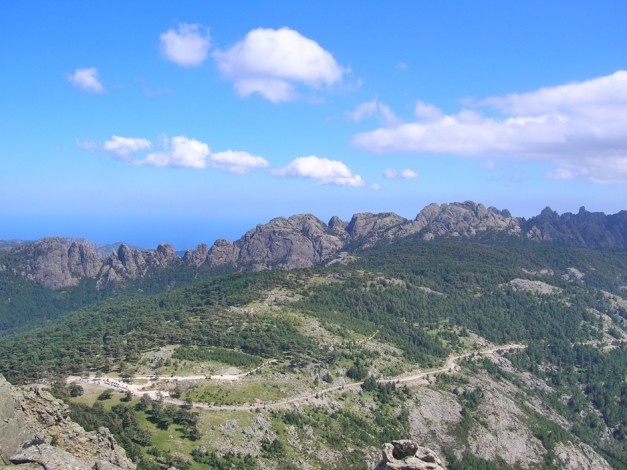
[304, 240]
[36, 432]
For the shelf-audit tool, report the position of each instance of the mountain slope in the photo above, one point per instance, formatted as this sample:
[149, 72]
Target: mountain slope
[394, 309]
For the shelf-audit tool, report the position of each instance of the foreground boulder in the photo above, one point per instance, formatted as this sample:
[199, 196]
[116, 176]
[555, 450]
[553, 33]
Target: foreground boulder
[37, 432]
[407, 455]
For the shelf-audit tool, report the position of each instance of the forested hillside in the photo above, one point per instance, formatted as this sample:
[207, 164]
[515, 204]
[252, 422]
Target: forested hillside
[380, 314]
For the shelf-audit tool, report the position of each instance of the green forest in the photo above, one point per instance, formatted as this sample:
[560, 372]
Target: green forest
[426, 300]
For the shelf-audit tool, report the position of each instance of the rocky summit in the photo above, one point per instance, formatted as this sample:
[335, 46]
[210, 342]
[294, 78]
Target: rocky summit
[304, 240]
[36, 432]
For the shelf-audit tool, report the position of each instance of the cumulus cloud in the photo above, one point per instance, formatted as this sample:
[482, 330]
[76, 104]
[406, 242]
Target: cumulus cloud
[238, 162]
[376, 109]
[406, 174]
[273, 62]
[187, 46]
[86, 80]
[180, 152]
[125, 146]
[580, 127]
[323, 170]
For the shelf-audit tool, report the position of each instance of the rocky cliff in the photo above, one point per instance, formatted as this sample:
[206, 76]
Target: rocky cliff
[584, 229]
[304, 240]
[54, 264]
[36, 432]
[127, 264]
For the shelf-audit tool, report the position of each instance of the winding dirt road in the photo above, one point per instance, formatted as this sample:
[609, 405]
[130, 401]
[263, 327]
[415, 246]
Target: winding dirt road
[138, 390]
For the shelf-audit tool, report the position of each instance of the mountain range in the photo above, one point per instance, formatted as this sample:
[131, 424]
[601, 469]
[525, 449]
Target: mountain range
[495, 341]
[302, 241]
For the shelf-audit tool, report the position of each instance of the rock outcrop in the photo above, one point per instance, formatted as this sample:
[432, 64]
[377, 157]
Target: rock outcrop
[464, 220]
[55, 264]
[36, 432]
[407, 455]
[584, 229]
[127, 264]
[297, 242]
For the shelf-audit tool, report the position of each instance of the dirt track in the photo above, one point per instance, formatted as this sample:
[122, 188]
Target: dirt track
[138, 390]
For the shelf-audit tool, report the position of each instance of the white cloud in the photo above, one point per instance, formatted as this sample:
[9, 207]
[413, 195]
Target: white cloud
[376, 186]
[238, 162]
[376, 109]
[272, 62]
[86, 80]
[409, 174]
[187, 47]
[322, 169]
[580, 127]
[125, 146]
[180, 152]
[406, 174]
[272, 89]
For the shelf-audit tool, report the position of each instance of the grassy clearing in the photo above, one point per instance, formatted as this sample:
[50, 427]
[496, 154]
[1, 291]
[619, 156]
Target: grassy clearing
[238, 393]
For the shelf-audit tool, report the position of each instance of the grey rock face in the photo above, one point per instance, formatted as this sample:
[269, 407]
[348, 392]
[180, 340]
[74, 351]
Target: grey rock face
[196, 257]
[407, 455]
[584, 229]
[464, 220]
[297, 242]
[222, 253]
[31, 419]
[56, 265]
[373, 226]
[571, 457]
[126, 263]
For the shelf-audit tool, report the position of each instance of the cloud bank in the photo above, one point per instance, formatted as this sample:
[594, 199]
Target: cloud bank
[323, 170]
[579, 127]
[273, 62]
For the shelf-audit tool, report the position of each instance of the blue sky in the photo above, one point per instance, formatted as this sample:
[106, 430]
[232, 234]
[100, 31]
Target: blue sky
[154, 121]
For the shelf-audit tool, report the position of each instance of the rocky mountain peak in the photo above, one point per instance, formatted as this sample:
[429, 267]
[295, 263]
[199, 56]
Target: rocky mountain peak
[372, 225]
[584, 229]
[55, 264]
[464, 220]
[197, 257]
[166, 251]
[337, 225]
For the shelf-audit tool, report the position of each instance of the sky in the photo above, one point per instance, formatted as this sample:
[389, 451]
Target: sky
[184, 122]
